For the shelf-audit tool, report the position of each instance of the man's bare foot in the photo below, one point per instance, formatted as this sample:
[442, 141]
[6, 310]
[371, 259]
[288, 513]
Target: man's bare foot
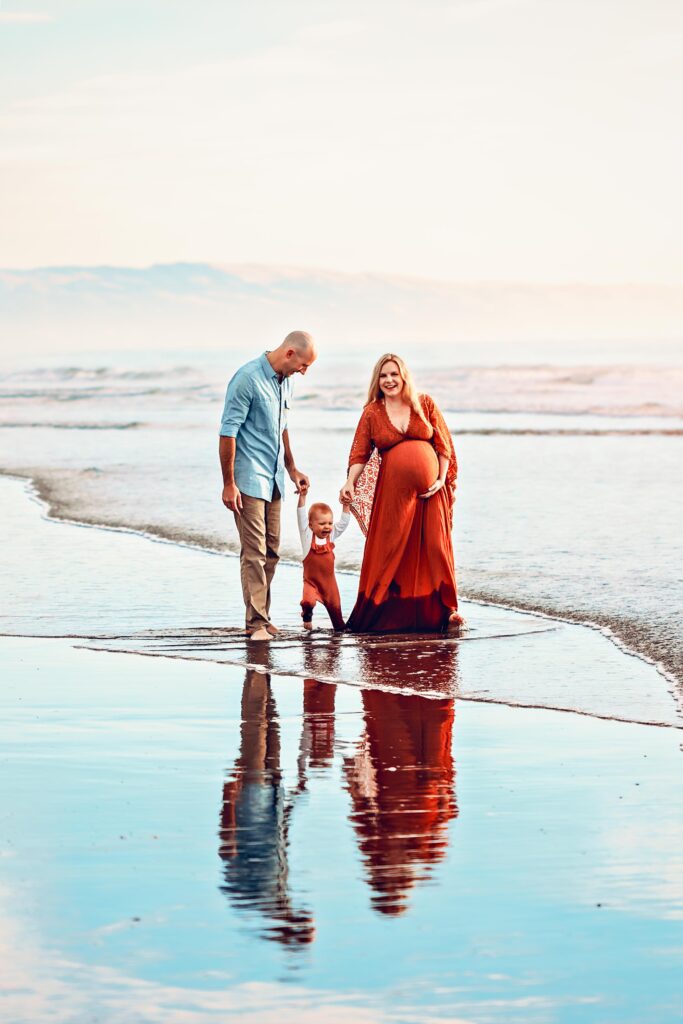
[260, 634]
[272, 629]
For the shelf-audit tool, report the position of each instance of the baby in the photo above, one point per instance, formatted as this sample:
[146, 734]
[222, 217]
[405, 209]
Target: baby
[318, 531]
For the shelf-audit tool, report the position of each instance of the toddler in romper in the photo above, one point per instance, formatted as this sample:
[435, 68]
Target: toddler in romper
[318, 532]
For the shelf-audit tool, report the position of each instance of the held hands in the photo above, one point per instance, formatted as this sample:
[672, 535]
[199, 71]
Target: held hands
[300, 481]
[431, 491]
[346, 495]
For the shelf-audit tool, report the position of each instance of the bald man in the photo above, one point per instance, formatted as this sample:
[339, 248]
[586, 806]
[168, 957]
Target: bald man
[255, 452]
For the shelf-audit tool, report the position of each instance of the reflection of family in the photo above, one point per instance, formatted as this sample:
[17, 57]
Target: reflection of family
[400, 487]
[400, 778]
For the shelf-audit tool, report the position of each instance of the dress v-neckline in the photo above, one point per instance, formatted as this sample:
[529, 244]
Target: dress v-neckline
[391, 422]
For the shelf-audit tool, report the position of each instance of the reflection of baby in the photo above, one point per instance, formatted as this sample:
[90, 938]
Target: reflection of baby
[318, 531]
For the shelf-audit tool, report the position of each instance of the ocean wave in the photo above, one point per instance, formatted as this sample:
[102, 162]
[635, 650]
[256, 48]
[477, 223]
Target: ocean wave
[55, 425]
[571, 432]
[343, 431]
[629, 391]
[95, 373]
[101, 392]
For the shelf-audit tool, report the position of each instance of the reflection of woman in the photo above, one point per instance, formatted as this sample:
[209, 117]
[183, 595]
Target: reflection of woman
[416, 665]
[402, 785]
[407, 579]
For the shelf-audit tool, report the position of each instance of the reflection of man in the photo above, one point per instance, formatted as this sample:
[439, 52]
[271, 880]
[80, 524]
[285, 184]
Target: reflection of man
[255, 821]
[255, 452]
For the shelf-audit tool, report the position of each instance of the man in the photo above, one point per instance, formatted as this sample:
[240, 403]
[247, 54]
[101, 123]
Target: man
[255, 452]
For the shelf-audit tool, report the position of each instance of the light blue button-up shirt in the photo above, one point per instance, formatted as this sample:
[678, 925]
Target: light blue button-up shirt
[255, 414]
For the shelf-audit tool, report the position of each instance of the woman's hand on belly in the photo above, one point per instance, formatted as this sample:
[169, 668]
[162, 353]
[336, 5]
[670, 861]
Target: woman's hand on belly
[434, 489]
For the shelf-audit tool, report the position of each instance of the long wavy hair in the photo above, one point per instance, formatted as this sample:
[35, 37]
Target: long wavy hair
[409, 391]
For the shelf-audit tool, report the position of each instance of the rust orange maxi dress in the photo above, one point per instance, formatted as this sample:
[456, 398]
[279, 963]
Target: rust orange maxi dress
[407, 579]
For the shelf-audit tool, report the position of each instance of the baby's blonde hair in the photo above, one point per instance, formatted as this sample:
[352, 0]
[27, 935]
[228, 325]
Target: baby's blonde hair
[409, 391]
[318, 506]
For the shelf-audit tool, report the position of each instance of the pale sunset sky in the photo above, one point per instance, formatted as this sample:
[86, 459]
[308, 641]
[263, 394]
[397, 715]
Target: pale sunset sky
[468, 140]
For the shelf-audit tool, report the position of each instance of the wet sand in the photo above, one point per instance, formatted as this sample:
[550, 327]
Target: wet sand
[115, 589]
[218, 832]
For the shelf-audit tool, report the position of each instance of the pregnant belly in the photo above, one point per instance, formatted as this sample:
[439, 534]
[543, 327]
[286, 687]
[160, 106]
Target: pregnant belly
[411, 467]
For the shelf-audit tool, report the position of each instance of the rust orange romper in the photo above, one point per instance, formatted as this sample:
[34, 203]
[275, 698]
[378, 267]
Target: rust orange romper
[320, 584]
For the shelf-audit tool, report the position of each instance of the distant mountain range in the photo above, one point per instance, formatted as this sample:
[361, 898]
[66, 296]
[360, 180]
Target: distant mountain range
[197, 305]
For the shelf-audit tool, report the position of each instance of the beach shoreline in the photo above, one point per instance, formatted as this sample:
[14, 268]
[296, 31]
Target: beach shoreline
[41, 491]
[636, 691]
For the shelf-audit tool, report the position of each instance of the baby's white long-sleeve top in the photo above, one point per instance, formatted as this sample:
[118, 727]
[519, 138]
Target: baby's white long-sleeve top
[307, 535]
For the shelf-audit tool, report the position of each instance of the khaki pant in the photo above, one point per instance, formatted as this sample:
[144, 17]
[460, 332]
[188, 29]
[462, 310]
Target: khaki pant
[259, 530]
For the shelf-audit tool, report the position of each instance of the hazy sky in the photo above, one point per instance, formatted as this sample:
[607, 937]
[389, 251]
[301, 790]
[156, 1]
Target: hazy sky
[533, 140]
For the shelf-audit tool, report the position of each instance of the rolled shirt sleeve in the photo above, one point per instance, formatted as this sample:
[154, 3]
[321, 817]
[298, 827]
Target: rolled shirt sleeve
[237, 404]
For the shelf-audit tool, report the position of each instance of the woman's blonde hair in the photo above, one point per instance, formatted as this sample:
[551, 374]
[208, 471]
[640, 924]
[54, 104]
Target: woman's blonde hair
[409, 392]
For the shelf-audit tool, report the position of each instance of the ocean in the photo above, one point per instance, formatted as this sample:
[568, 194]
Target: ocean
[569, 491]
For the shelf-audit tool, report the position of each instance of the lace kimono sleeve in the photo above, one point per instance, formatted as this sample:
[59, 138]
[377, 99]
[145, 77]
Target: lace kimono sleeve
[362, 445]
[442, 440]
[364, 452]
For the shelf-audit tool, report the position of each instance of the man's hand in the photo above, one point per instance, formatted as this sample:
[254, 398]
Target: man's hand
[232, 498]
[300, 480]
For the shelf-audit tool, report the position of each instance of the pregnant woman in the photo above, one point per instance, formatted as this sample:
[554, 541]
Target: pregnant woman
[401, 484]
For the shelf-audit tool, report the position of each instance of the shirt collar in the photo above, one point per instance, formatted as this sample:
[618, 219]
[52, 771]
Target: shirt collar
[268, 369]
